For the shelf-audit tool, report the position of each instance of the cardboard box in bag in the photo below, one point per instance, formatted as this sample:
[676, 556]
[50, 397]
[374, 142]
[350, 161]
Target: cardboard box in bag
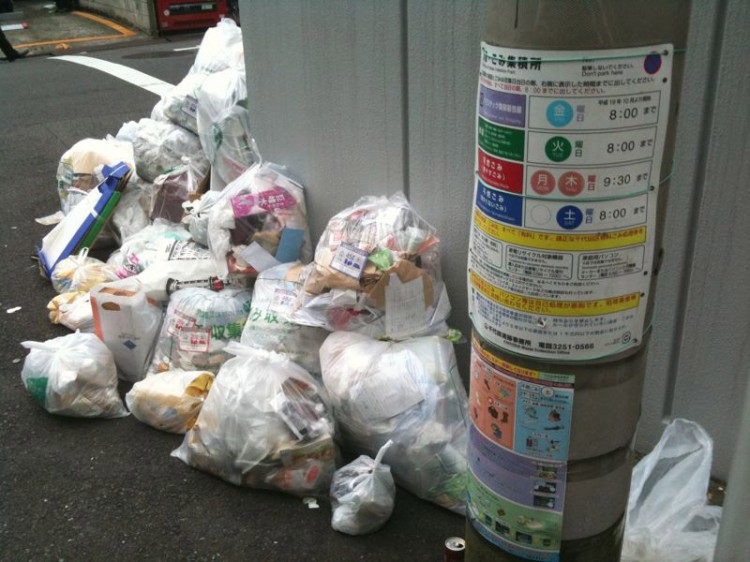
[128, 323]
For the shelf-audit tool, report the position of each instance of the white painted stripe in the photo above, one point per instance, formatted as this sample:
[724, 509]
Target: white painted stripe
[131, 75]
[186, 49]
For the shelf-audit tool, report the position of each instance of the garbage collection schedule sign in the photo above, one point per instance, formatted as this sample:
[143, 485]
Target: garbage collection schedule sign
[569, 151]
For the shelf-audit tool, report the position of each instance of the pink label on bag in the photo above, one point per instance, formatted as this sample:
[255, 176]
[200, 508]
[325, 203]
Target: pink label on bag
[247, 204]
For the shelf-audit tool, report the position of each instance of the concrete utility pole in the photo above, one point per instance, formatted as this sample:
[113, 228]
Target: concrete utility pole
[576, 128]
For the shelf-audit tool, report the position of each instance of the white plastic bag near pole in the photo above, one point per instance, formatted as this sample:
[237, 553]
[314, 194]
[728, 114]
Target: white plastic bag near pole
[362, 494]
[668, 519]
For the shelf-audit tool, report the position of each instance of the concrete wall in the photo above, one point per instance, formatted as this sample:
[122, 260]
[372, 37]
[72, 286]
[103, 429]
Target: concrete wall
[137, 13]
[375, 96]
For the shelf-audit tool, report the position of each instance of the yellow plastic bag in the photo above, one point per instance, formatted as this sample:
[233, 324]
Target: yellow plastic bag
[170, 401]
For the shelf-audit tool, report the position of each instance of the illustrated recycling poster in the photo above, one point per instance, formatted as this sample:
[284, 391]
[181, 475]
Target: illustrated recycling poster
[518, 451]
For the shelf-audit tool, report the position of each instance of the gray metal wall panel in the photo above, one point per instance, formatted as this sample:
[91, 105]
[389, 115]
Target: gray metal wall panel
[714, 354]
[443, 69]
[684, 196]
[325, 91]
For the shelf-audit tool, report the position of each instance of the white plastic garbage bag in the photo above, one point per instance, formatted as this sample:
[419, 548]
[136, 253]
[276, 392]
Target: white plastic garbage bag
[376, 272]
[153, 243]
[224, 124]
[409, 392]
[170, 401]
[81, 273]
[159, 147]
[127, 132]
[268, 326]
[198, 325]
[668, 519]
[172, 190]
[265, 424]
[157, 112]
[76, 170]
[132, 212]
[260, 221]
[362, 495]
[197, 213]
[74, 375]
[72, 310]
[221, 48]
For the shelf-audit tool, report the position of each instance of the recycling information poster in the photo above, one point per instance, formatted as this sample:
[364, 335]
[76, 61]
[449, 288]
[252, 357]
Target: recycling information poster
[518, 451]
[569, 149]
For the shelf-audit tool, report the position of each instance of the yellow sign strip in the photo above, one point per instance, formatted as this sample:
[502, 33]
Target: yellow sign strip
[551, 307]
[560, 240]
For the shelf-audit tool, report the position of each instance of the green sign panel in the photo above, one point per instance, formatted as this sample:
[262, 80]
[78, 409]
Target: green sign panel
[501, 141]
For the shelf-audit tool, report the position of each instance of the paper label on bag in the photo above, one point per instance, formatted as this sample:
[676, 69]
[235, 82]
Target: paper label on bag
[179, 322]
[246, 204]
[404, 307]
[194, 340]
[190, 106]
[390, 389]
[283, 301]
[349, 260]
[179, 250]
[258, 257]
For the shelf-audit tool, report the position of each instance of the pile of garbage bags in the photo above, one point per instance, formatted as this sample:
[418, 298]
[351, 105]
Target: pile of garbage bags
[206, 295]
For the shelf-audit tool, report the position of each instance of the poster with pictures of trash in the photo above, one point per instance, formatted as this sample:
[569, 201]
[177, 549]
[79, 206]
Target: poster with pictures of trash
[518, 452]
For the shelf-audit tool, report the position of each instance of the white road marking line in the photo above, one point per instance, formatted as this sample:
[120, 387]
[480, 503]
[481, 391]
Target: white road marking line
[131, 75]
[186, 49]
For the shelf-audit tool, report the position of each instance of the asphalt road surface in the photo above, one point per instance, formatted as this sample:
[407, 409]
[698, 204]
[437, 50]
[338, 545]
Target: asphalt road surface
[76, 489]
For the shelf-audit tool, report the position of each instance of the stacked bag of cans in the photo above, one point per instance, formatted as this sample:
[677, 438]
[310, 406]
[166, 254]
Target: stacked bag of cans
[269, 357]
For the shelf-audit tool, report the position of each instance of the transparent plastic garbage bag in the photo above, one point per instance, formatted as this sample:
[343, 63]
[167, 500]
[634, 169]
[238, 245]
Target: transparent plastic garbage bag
[268, 326]
[73, 375]
[362, 495]
[81, 273]
[198, 326]
[221, 48]
[376, 272]
[224, 124]
[259, 221]
[170, 401]
[409, 392]
[265, 424]
[668, 519]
